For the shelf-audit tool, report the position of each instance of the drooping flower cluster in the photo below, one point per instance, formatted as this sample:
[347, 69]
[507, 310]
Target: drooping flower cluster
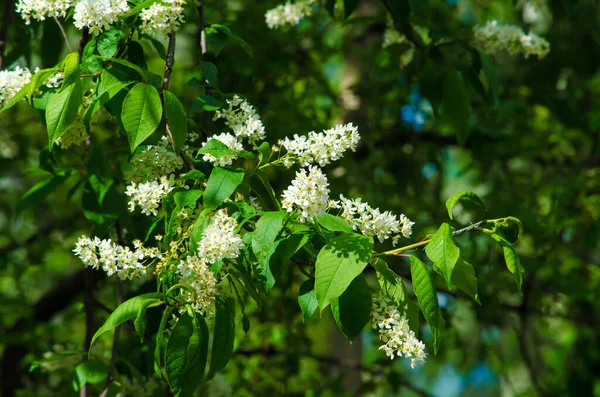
[41, 9]
[243, 120]
[308, 193]
[397, 337]
[11, 82]
[154, 162]
[289, 13]
[493, 37]
[193, 271]
[75, 135]
[372, 222]
[228, 140]
[114, 258]
[321, 148]
[98, 15]
[161, 18]
[148, 195]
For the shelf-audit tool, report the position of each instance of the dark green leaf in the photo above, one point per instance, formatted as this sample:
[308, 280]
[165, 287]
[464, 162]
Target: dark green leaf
[215, 40]
[236, 39]
[352, 310]
[141, 113]
[390, 284]
[349, 7]
[91, 371]
[140, 323]
[456, 104]
[427, 297]
[194, 372]
[99, 171]
[62, 110]
[221, 184]
[206, 103]
[443, 252]
[466, 194]
[40, 191]
[338, 263]
[210, 72]
[177, 119]
[224, 335]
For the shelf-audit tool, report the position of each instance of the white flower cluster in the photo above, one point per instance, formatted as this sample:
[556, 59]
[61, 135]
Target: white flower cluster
[219, 239]
[399, 340]
[289, 13]
[11, 82]
[154, 162]
[308, 193]
[243, 119]
[113, 258]
[228, 140]
[148, 195]
[493, 37]
[40, 9]
[372, 222]
[194, 271]
[98, 15]
[161, 18]
[321, 148]
[75, 135]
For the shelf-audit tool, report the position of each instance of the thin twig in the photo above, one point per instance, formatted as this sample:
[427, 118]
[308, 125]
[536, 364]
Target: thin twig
[63, 33]
[4, 30]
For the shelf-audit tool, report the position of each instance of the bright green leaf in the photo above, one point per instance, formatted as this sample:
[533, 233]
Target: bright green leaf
[390, 284]
[307, 299]
[70, 69]
[221, 184]
[141, 113]
[187, 198]
[512, 260]
[91, 371]
[334, 223]
[177, 119]
[443, 252]
[62, 110]
[108, 42]
[464, 278]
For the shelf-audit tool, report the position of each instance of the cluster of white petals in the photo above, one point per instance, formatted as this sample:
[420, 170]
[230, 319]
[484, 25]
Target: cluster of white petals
[397, 337]
[321, 148]
[194, 271]
[75, 135]
[308, 193]
[40, 9]
[228, 140]
[372, 222]
[289, 13]
[154, 162]
[220, 240]
[11, 82]
[493, 37]
[148, 195]
[113, 258]
[98, 15]
[161, 18]
[243, 120]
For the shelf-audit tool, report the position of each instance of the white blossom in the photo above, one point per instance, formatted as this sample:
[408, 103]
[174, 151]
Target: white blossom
[162, 17]
[40, 9]
[308, 193]
[148, 195]
[289, 13]
[114, 258]
[323, 147]
[154, 162]
[493, 37]
[372, 222]
[397, 337]
[194, 271]
[228, 140]
[220, 240]
[243, 120]
[98, 15]
[11, 82]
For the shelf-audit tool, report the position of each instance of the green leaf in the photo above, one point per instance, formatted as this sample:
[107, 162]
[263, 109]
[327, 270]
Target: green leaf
[466, 194]
[443, 252]
[284, 249]
[177, 119]
[187, 198]
[267, 229]
[427, 297]
[125, 63]
[224, 335]
[338, 263]
[334, 223]
[264, 153]
[209, 70]
[193, 175]
[141, 113]
[221, 184]
[139, 323]
[456, 104]
[307, 299]
[91, 371]
[194, 373]
[70, 67]
[62, 110]
[215, 40]
[512, 260]
[349, 7]
[352, 310]
[236, 39]
[136, 10]
[390, 284]
[99, 171]
[40, 191]
[161, 343]
[215, 148]
[38, 79]
[18, 97]
[126, 311]
[206, 103]
[464, 279]
[108, 42]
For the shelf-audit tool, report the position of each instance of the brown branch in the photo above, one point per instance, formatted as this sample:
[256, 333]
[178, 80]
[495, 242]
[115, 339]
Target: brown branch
[62, 30]
[4, 30]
